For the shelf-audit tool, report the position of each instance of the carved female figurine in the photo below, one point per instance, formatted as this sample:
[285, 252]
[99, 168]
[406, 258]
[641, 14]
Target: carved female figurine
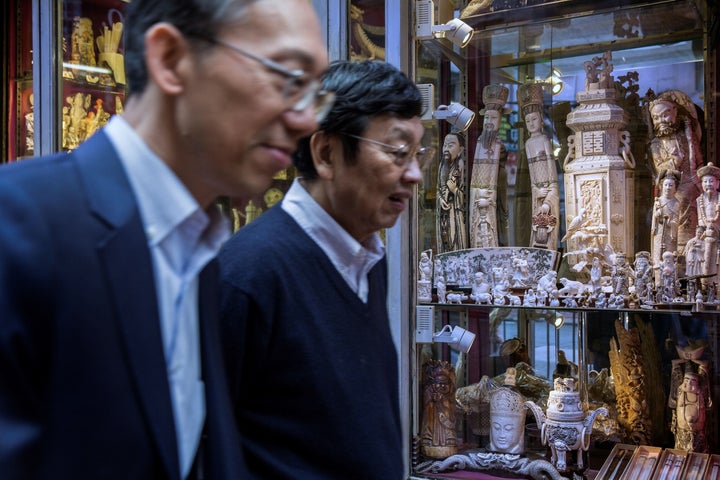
[438, 438]
[451, 195]
[541, 163]
[666, 213]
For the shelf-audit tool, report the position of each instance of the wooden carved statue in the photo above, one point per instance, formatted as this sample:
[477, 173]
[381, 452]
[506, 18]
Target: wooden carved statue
[626, 365]
[438, 437]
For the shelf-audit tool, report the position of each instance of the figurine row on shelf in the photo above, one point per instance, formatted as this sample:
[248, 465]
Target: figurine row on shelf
[516, 276]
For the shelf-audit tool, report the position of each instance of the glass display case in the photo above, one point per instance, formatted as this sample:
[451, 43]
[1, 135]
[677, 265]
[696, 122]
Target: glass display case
[65, 75]
[590, 74]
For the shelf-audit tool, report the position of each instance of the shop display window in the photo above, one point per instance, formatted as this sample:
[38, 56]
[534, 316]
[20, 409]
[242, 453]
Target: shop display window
[555, 56]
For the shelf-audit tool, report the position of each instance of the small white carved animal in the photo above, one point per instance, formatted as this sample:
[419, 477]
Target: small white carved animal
[482, 298]
[572, 287]
[456, 298]
[514, 300]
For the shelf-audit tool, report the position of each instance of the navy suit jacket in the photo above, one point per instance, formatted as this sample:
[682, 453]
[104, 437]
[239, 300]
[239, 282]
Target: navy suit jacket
[83, 383]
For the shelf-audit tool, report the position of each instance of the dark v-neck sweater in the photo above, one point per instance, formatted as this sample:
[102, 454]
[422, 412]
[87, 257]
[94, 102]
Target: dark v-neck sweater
[313, 369]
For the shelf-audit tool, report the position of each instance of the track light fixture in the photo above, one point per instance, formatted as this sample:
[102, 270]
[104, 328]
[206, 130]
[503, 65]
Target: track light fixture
[458, 115]
[457, 31]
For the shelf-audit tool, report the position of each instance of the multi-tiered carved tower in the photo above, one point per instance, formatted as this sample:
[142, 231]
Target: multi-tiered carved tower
[599, 169]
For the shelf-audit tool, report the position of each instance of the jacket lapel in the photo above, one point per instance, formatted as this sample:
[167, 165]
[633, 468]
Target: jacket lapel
[131, 281]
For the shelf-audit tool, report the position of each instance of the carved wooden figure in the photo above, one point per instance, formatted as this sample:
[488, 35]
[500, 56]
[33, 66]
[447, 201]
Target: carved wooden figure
[438, 438]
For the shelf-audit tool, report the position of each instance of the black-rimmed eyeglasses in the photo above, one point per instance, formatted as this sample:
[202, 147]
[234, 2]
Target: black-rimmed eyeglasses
[402, 154]
[300, 90]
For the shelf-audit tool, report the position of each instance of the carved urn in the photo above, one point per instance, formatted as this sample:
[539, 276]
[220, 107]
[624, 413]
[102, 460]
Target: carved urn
[566, 427]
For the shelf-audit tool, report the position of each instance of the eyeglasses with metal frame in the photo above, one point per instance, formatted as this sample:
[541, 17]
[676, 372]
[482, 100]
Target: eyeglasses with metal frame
[402, 154]
[300, 90]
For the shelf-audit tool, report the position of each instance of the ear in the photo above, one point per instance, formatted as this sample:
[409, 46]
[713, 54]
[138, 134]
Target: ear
[165, 50]
[326, 152]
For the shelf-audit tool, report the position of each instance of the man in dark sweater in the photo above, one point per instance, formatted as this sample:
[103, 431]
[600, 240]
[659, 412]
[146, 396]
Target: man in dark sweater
[311, 362]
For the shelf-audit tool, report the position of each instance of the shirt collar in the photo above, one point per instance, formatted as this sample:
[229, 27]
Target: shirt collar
[163, 200]
[337, 243]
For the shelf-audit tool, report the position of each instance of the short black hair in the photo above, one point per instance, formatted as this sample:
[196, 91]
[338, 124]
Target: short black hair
[196, 19]
[363, 90]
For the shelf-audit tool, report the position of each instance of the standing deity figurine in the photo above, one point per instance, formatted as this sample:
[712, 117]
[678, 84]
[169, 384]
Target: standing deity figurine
[665, 218]
[489, 151]
[708, 210]
[451, 195]
[542, 167]
[676, 146]
[438, 438]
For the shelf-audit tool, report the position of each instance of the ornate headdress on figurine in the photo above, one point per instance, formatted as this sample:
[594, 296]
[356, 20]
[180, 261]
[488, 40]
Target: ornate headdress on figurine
[507, 402]
[530, 98]
[494, 98]
[674, 174]
[709, 169]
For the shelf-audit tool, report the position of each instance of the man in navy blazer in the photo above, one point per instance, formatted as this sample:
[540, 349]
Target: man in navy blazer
[110, 361]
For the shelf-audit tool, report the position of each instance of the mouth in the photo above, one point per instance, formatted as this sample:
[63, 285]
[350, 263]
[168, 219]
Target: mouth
[281, 156]
[399, 200]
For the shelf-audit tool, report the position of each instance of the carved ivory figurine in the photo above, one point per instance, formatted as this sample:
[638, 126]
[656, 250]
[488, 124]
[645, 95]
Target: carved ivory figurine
[451, 195]
[665, 218]
[425, 271]
[676, 146]
[507, 417]
[438, 438]
[690, 397]
[708, 209]
[486, 164]
[543, 170]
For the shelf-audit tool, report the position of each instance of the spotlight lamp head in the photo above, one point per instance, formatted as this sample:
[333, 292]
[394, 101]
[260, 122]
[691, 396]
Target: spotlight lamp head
[457, 31]
[456, 337]
[458, 115]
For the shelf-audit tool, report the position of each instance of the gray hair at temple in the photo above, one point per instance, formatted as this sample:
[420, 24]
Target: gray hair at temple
[196, 19]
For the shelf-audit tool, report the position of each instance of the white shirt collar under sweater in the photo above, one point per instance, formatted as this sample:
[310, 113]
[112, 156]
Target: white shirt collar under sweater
[182, 238]
[351, 259]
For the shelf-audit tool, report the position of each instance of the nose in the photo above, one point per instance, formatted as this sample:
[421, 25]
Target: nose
[303, 121]
[412, 173]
